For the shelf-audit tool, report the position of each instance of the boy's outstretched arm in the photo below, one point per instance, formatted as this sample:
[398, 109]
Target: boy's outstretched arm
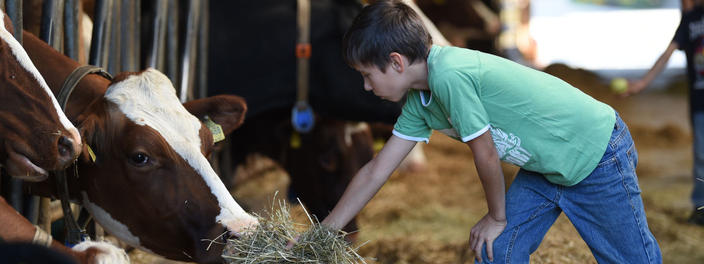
[493, 223]
[638, 85]
[368, 181]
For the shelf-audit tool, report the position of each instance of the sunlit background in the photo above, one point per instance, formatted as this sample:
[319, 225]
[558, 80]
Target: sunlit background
[613, 40]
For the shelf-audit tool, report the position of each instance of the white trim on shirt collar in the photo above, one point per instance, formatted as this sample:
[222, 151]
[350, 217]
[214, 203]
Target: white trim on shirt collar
[422, 98]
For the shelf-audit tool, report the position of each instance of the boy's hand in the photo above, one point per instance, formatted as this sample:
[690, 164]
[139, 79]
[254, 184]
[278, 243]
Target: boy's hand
[485, 231]
[634, 87]
[293, 242]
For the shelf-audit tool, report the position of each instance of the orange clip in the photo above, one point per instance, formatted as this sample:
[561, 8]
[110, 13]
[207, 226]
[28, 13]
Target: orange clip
[303, 50]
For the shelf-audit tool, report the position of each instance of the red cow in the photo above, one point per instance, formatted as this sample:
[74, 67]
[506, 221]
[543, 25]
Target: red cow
[150, 185]
[35, 136]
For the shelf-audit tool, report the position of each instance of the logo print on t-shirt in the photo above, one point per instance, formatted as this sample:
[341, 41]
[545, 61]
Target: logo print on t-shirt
[509, 147]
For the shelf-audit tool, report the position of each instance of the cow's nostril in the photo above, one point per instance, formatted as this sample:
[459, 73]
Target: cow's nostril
[65, 147]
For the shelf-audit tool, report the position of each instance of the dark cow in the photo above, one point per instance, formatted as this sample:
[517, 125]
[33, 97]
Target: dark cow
[150, 185]
[35, 136]
[320, 163]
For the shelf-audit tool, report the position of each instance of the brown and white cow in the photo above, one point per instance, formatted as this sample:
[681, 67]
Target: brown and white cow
[35, 135]
[150, 185]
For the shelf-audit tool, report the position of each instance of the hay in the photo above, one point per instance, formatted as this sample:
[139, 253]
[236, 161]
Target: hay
[267, 243]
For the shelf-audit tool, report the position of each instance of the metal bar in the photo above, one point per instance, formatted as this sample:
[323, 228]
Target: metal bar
[14, 11]
[203, 35]
[155, 54]
[47, 24]
[129, 35]
[101, 33]
[172, 43]
[113, 50]
[71, 37]
[189, 55]
[58, 32]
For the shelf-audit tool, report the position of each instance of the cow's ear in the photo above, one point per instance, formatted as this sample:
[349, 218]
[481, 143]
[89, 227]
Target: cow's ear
[226, 110]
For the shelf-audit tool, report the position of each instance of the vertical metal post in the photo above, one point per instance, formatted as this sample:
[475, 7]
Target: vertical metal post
[155, 54]
[129, 35]
[51, 26]
[13, 8]
[113, 47]
[189, 56]
[71, 37]
[172, 42]
[101, 33]
[203, 35]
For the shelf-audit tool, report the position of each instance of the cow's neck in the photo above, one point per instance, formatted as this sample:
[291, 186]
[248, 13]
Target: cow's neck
[55, 67]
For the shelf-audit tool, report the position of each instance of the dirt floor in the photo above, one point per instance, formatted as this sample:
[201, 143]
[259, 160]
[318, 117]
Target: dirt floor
[425, 216]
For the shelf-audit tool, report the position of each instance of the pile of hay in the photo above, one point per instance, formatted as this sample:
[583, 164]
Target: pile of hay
[267, 243]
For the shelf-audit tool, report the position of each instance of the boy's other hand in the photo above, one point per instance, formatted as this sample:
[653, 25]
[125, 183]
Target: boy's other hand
[634, 87]
[485, 231]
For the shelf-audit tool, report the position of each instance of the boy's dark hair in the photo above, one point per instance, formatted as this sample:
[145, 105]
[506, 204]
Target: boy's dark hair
[384, 27]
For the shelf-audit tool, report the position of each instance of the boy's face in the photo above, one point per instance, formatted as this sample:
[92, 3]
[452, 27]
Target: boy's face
[387, 85]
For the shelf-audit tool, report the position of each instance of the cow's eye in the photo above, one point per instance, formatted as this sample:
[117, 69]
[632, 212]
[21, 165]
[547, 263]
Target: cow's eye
[139, 159]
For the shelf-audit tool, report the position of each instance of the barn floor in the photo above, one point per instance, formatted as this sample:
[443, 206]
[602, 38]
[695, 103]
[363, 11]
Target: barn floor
[425, 217]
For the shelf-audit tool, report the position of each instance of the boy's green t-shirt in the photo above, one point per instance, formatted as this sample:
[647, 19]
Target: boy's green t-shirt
[537, 121]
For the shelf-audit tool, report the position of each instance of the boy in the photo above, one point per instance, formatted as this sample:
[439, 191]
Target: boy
[692, 42]
[576, 154]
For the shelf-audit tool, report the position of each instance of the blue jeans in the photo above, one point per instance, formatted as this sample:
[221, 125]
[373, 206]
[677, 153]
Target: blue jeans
[606, 209]
[698, 135]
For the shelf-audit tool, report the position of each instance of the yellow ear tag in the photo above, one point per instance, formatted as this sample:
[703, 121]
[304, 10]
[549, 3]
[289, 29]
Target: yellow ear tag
[378, 144]
[91, 153]
[215, 129]
[295, 140]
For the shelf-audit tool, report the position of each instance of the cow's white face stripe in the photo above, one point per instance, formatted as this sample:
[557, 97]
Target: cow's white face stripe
[149, 99]
[113, 226]
[26, 63]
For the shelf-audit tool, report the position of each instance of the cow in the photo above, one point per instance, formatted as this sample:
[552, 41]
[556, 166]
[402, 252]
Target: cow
[150, 184]
[35, 135]
[320, 163]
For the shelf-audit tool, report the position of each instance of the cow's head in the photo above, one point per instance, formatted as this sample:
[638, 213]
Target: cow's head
[327, 159]
[151, 184]
[35, 135]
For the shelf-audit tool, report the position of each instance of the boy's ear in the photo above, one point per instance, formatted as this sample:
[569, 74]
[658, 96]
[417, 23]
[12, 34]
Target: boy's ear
[396, 62]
